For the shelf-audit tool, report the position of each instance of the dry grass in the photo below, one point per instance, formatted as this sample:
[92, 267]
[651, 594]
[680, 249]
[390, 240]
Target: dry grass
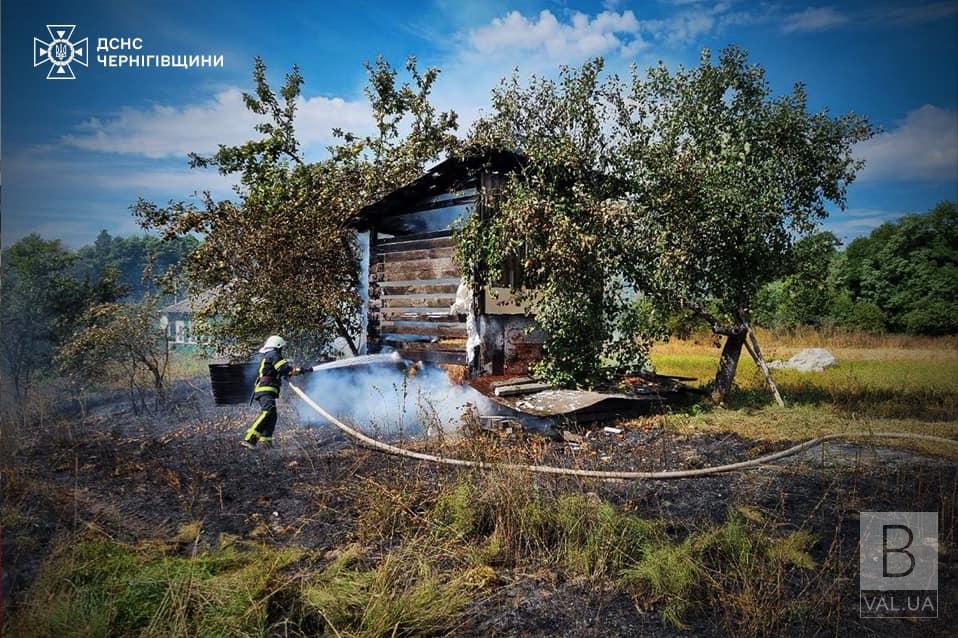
[898, 383]
[806, 337]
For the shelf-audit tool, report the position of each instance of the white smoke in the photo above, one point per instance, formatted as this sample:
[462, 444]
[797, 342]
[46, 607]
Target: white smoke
[380, 397]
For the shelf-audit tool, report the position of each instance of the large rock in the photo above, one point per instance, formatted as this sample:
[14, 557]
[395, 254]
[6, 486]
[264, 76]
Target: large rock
[808, 360]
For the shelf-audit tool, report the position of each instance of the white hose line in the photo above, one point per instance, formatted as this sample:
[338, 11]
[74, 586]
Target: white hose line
[600, 474]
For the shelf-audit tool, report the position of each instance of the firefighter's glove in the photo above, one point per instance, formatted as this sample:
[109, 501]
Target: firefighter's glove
[303, 370]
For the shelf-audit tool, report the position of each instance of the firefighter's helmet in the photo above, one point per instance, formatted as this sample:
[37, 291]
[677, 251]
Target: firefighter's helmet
[273, 343]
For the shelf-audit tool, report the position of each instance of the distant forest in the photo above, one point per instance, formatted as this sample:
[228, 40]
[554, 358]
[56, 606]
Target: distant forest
[137, 261]
[902, 277]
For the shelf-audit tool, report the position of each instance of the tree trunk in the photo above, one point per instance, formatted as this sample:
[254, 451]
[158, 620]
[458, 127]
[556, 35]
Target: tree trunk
[728, 364]
[345, 335]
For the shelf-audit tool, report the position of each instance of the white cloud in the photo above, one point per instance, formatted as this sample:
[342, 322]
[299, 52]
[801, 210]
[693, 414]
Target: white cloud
[539, 44]
[924, 146]
[813, 19]
[695, 19]
[171, 131]
[155, 177]
[687, 27]
[514, 34]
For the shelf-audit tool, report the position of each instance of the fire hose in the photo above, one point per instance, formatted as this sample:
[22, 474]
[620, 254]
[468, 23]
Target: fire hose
[372, 443]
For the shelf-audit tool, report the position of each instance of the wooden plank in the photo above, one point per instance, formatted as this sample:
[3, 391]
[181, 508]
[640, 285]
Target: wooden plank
[419, 269]
[405, 322]
[756, 352]
[404, 275]
[425, 273]
[389, 314]
[422, 310]
[429, 205]
[413, 237]
[376, 291]
[423, 253]
[412, 301]
[512, 381]
[525, 388]
[456, 345]
[470, 191]
[446, 281]
[446, 357]
[424, 328]
[415, 242]
[390, 266]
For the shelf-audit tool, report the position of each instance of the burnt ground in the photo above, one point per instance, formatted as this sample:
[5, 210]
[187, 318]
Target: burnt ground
[141, 477]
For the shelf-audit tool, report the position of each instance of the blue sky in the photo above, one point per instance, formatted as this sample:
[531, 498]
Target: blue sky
[76, 154]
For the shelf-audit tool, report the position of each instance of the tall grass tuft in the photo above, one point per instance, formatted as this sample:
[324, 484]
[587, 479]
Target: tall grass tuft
[101, 587]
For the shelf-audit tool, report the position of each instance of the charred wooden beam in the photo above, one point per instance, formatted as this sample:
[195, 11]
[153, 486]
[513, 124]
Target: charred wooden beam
[412, 301]
[425, 329]
[389, 314]
[422, 253]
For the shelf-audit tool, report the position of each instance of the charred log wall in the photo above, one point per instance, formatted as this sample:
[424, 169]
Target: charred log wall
[413, 280]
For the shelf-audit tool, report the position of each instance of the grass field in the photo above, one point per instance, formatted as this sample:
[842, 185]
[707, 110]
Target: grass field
[907, 384]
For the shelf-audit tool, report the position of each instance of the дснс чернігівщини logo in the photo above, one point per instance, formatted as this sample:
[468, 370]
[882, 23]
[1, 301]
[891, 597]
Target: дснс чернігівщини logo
[60, 52]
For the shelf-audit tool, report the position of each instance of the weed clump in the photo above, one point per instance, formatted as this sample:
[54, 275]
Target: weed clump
[101, 587]
[404, 594]
[739, 567]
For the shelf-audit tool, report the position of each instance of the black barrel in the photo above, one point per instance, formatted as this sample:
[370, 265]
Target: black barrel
[232, 382]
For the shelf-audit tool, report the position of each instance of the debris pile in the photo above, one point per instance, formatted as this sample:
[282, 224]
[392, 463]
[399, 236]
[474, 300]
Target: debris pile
[630, 396]
[807, 360]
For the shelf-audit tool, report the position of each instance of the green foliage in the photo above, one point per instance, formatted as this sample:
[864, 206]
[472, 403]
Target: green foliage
[686, 188]
[138, 261]
[45, 295]
[902, 277]
[725, 177]
[282, 259]
[454, 511]
[584, 535]
[806, 296]
[557, 219]
[857, 315]
[741, 566]
[102, 587]
[121, 343]
[908, 270]
[671, 574]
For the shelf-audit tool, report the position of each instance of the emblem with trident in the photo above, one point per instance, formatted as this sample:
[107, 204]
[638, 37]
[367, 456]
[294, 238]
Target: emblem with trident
[60, 52]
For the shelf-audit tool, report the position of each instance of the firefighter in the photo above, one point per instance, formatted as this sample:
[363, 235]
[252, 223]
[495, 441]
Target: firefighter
[273, 368]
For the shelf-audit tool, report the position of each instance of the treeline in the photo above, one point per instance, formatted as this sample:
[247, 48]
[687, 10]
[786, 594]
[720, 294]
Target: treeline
[52, 295]
[903, 277]
[137, 262]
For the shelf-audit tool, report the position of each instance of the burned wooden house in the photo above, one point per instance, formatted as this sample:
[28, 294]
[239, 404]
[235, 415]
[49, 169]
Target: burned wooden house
[420, 302]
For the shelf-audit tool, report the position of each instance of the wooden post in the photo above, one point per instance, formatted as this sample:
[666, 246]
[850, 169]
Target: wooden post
[751, 344]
